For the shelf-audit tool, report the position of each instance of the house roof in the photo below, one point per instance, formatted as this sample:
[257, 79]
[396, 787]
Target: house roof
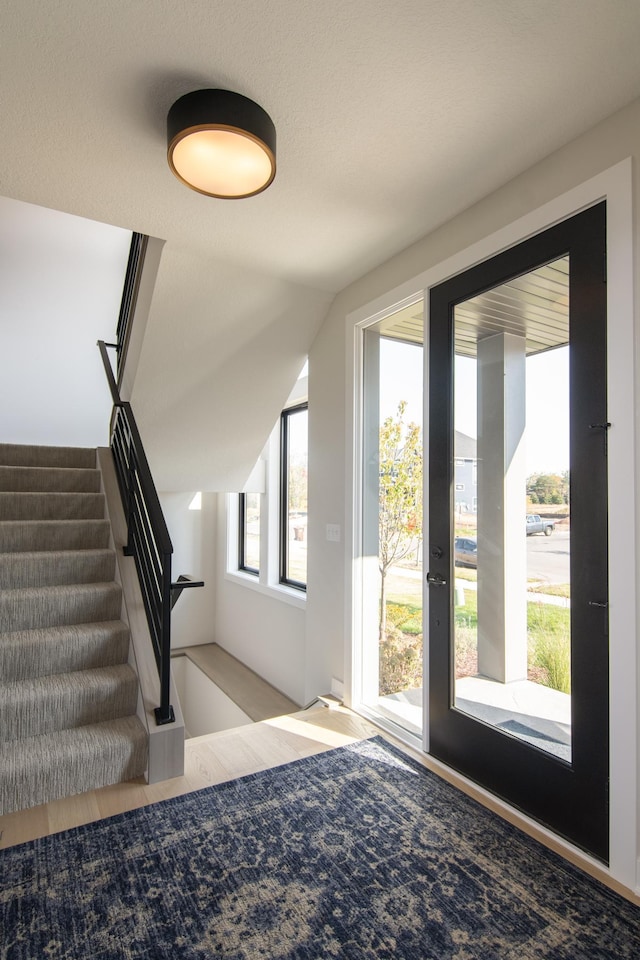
[465, 446]
[391, 118]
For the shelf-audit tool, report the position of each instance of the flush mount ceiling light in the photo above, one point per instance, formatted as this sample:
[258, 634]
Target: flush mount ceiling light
[221, 144]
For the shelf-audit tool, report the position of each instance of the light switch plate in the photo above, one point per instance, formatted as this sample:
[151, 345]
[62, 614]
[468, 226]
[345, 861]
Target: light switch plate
[333, 532]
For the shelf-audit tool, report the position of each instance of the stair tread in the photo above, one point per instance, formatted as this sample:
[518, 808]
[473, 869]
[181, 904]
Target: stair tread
[17, 536]
[63, 700]
[49, 479]
[49, 766]
[44, 651]
[28, 608]
[51, 505]
[33, 745]
[40, 555]
[12, 689]
[101, 586]
[43, 455]
[40, 568]
[95, 626]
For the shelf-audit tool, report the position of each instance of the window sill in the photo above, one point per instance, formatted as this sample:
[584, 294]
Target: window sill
[295, 598]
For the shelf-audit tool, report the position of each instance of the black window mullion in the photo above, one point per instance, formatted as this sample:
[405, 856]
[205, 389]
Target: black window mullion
[242, 536]
[284, 496]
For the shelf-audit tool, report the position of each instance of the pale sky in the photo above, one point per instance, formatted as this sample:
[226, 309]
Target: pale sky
[547, 435]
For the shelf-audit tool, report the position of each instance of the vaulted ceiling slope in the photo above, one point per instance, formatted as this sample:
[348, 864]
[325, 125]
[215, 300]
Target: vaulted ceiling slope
[391, 117]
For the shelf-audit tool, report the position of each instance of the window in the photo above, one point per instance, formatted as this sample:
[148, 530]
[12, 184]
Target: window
[267, 522]
[293, 496]
[249, 532]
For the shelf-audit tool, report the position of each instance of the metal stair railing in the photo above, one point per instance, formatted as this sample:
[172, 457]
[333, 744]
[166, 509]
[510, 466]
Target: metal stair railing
[148, 540]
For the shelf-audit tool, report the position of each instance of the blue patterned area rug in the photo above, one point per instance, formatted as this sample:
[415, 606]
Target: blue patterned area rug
[357, 853]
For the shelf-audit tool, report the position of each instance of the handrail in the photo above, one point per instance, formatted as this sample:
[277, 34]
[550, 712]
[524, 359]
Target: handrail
[137, 253]
[148, 540]
[184, 581]
[111, 380]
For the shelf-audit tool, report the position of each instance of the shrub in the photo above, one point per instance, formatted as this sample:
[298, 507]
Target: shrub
[400, 662]
[550, 646]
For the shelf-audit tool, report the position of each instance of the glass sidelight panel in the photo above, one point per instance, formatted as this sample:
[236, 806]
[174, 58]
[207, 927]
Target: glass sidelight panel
[512, 525]
[294, 448]
[392, 650]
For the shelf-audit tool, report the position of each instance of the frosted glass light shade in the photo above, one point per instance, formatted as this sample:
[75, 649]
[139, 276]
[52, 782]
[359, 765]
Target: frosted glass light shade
[221, 144]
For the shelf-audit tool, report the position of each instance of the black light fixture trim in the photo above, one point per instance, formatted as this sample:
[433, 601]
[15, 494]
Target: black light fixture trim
[221, 110]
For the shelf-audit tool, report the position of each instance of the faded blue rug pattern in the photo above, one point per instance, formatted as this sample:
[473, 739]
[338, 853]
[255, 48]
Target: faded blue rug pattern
[357, 853]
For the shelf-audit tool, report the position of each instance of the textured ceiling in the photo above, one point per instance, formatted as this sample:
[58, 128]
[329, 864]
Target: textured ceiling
[391, 118]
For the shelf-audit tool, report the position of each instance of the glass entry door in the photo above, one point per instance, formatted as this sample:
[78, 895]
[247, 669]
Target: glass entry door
[518, 528]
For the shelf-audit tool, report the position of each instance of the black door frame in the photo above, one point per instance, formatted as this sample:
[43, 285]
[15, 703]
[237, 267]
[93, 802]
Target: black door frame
[571, 799]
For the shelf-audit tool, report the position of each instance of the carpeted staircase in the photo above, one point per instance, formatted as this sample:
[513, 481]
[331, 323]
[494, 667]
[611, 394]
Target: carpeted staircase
[67, 695]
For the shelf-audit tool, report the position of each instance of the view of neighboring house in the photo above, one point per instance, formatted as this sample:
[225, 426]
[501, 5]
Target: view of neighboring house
[466, 473]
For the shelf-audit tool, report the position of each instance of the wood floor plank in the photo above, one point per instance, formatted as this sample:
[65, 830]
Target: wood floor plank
[202, 767]
[120, 797]
[73, 811]
[24, 825]
[237, 756]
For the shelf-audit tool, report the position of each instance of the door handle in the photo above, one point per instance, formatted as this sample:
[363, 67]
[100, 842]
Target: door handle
[436, 580]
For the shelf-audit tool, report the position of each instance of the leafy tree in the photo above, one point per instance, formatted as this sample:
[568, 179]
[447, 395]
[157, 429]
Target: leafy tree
[548, 487]
[400, 497]
[297, 486]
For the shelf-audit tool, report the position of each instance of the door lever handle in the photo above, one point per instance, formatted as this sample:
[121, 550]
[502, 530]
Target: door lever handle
[436, 580]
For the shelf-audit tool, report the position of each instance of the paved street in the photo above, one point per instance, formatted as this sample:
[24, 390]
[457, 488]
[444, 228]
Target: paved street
[548, 557]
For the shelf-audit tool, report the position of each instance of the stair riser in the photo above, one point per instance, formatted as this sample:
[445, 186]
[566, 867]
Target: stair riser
[71, 762]
[51, 569]
[49, 480]
[51, 506]
[41, 653]
[24, 455]
[17, 536]
[35, 707]
[54, 606]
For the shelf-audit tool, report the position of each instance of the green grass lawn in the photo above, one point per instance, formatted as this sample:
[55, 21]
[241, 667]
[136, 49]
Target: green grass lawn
[552, 589]
[548, 631]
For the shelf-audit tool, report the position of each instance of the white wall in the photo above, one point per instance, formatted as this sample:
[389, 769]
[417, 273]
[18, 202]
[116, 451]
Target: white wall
[61, 282]
[222, 349]
[259, 627]
[192, 528]
[205, 707]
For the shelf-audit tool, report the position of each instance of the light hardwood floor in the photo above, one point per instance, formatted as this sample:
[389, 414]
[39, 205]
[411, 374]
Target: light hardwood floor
[210, 759]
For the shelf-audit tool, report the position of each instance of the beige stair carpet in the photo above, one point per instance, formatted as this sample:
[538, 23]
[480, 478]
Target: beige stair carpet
[67, 694]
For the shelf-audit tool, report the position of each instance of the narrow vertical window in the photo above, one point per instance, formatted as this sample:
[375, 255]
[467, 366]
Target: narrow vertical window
[293, 497]
[249, 532]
